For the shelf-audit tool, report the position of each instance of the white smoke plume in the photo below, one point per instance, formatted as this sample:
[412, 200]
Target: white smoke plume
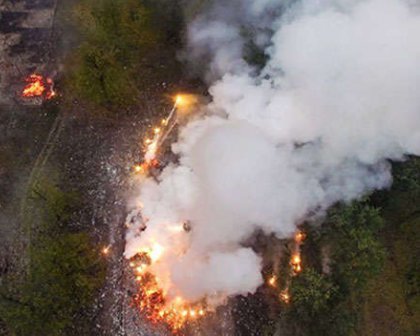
[337, 97]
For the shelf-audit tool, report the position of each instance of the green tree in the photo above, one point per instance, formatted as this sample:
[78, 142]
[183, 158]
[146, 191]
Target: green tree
[124, 41]
[65, 272]
[356, 251]
[312, 293]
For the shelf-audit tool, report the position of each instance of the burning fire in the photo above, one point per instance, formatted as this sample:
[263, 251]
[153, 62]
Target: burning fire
[295, 266]
[296, 260]
[151, 299]
[38, 86]
[272, 281]
[296, 263]
[106, 250]
[285, 296]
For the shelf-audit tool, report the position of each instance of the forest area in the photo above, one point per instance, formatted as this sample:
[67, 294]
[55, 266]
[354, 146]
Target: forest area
[121, 62]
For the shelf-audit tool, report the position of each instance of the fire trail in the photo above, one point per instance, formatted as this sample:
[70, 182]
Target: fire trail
[151, 298]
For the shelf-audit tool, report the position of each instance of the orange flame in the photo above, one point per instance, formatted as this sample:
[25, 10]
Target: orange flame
[272, 281]
[299, 237]
[151, 299]
[38, 86]
[285, 296]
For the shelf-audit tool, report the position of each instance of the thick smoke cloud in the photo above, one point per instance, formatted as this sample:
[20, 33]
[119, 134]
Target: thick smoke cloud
[316, 125]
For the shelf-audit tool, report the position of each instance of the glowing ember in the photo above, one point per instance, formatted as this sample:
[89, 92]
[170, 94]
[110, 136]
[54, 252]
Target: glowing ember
[106, 250]
[272, 281]
[185, 100]
[285, 296]
[151, 298]
[295, 267]
[179, 100]
[296, 260]
[296, 263]
[299, 237]
[38, 86]
[154, 252]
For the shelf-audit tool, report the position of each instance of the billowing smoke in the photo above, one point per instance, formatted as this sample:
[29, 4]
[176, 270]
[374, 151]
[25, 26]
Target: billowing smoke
[315, 124]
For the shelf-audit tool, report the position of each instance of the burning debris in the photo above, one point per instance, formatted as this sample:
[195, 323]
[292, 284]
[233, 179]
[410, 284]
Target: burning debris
[38, 86]
[152, 299]
[295, 267]
[285, 296]
[272, 281]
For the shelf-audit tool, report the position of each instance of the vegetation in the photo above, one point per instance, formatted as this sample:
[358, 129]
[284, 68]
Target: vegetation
[392, 304]
[125, 44]
[356, 252]
[64, 273]
[368, 282]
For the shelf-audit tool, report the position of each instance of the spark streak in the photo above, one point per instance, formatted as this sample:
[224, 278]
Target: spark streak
[160, 134]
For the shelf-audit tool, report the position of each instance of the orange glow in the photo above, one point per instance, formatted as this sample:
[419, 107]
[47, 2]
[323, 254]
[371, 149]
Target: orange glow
[106, 250]
[272, 281]
[179, 99]
[152, 300]
[296, 259]
[284, 296]
[185, 100]
[299, 237]
[38, 86]
[138, 168]
[156, 252]
[296, 263]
